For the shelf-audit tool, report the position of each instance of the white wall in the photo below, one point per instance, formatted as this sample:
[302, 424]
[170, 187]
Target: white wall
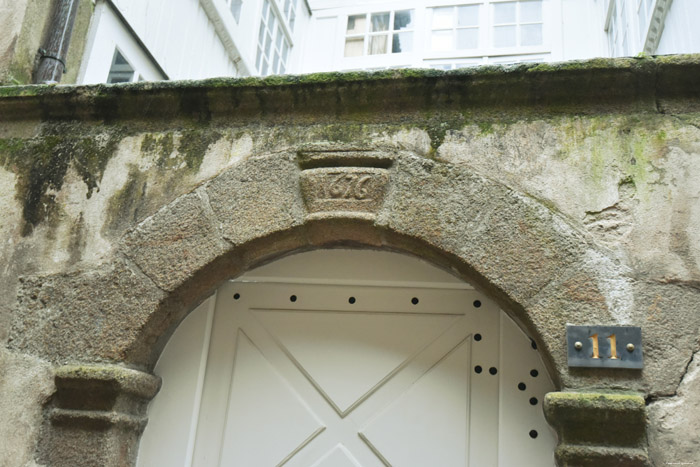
[180, 36]
[105, 34]
[324, 46]
[681, 32]
[582, 31]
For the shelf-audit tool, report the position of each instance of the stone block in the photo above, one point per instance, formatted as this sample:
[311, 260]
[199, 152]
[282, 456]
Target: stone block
[344, 189]
[515, 244]
[257, 198]
[175, 243]
[83, 316]
[674, 422]
[26, 383]
[598, 429]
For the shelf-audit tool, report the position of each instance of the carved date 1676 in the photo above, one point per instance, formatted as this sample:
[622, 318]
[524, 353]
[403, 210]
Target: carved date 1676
[348, 186]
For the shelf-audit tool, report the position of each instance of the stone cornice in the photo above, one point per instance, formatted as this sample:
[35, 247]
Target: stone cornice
[670, 83]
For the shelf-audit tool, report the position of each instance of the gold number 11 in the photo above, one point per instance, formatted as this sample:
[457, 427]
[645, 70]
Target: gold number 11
[613, 346]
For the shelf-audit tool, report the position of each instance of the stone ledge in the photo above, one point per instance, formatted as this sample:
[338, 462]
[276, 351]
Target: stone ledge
[596, 84]
[134, 382]
[96, 420]
[107, 389]
[598, 428]
[596, 456]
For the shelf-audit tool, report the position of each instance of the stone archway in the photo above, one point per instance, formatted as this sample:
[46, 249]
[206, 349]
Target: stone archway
[529, 259]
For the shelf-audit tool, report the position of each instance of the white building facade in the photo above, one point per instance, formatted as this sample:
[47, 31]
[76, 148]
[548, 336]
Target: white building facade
[132, 40]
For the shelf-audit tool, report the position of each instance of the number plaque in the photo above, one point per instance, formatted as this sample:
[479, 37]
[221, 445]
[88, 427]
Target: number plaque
[604, 346]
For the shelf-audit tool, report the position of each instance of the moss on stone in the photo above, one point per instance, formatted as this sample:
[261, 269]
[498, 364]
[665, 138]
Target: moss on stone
[41, 164]
[438, 126]
[124, 207]
[194, 143]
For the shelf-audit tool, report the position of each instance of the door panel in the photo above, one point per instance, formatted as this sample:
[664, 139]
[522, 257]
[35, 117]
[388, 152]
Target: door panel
[340, 372]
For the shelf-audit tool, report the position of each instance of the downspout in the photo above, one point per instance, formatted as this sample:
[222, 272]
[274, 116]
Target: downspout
[52, 56]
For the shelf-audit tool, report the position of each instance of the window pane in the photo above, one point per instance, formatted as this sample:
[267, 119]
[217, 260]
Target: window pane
[236, 9]
[531, 34]
[402, 42]
[377, 44]
[285, 50]
[403, 20]
[356, 24]
[272, 21]
[275, 63]
[268, 42]
[468, 38]
[354, 46]
[468, 15]
[504, 13]
[266, 7]
[441, 40]
[504, 36]
[278, 40]
[264, 68]
[442, 18]
[119, 58]
[380, 22]
[531, 11]
[257, 58]
[261, 33]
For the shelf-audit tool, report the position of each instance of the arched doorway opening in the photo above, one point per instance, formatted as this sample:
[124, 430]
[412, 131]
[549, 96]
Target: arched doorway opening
[337, 358]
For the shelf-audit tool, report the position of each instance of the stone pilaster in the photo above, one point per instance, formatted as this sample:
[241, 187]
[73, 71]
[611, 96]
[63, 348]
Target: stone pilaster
[598, 429]
[96, 416]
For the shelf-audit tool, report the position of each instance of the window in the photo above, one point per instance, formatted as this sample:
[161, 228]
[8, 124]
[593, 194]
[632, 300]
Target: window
[644, 12]
[379, 33]
[120, 71]
[235, 7]
[455, 27]
[619, 30]
[290, 12]
[273, 45]
[517, 24]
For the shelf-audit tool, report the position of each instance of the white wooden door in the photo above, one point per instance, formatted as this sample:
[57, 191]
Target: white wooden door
[322, 368]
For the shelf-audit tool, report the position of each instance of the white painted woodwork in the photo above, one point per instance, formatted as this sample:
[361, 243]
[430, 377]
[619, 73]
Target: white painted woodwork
[107, 33]
[180, 36]
[681, 33]
[289, 372]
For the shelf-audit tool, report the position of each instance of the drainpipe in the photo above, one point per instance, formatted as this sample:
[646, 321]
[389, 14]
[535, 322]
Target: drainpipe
[52, 56]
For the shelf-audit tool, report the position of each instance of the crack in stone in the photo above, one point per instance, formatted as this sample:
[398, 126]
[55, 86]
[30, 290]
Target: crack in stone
[652, 399]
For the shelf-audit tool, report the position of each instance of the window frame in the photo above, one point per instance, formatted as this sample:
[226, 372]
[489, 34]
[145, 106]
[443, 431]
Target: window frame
[486, 23]
[390, 32]
[237, 13]
[280, 47]
[117, 69]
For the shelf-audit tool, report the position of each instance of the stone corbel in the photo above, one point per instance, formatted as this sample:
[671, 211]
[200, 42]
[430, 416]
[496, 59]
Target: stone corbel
[96, 415]
[598, 429]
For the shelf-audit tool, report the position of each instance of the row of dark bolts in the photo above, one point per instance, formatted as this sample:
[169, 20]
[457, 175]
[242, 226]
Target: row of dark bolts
[477, 337]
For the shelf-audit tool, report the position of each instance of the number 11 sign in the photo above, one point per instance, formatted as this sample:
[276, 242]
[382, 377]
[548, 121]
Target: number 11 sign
[604, 346]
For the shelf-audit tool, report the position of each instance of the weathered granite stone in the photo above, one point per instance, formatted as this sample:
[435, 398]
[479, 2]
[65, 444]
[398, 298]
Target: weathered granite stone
[96, 415]
[26, 383]
[673, 422]
[257, 198]
[176, 242]
[598, 429]
[344, 189]
[566, 192]
[518, 244]
[83, 316]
